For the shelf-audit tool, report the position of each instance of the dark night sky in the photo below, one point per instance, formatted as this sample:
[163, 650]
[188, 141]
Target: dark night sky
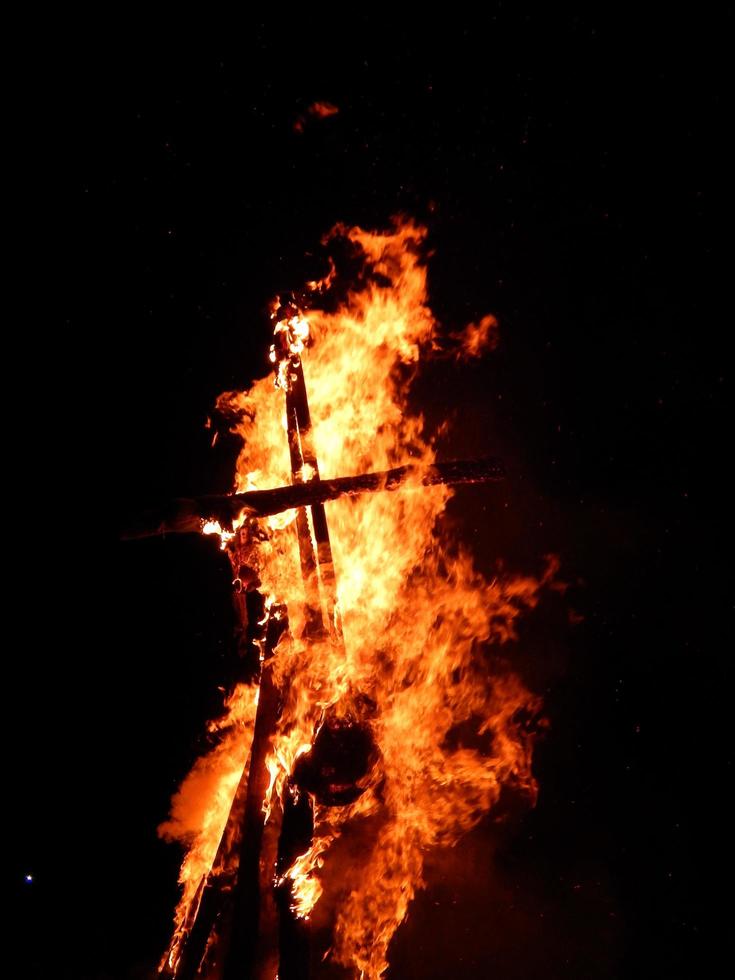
[573, 176]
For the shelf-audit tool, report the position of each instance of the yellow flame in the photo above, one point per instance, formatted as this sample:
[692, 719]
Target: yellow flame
[214, 527]
[418, 618]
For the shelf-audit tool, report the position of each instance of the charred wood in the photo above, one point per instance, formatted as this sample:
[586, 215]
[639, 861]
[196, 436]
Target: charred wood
[185, 515]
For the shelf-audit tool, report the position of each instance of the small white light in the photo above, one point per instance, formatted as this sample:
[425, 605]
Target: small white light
[29, 878]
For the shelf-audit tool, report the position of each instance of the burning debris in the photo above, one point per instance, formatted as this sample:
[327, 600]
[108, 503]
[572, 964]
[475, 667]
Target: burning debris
[363, 642]
[317, 110]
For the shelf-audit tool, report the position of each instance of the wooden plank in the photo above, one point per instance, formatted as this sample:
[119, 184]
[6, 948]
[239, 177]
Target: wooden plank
[185, 515]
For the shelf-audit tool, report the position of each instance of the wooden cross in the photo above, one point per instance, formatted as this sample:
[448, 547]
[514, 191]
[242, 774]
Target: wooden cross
[240, 923]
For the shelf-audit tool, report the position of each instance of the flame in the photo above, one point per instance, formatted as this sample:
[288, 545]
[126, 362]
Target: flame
[200, 807]
[418, 620]
[323, 109]
[317, 110]
[477, 338]
[306, 887]
[214, 527]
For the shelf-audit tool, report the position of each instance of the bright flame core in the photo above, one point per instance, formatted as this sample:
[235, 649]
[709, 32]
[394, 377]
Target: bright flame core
[417, 617]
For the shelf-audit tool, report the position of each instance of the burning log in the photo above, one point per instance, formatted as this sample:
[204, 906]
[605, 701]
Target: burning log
[317, 563]
[246, 921]
[228, 903]
[186, 514]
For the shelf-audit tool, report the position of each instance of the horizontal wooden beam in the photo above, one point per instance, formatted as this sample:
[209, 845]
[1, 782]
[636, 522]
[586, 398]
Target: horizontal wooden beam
[185, 515]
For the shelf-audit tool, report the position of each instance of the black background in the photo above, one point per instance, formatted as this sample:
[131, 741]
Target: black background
[572, 173]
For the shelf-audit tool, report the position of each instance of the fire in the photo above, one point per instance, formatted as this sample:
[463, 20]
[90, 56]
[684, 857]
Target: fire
[317, 110]
[200, 807]
[407, 656]
[214, 527]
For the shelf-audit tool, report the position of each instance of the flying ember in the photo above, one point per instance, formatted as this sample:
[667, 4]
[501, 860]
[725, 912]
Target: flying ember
[365, 637]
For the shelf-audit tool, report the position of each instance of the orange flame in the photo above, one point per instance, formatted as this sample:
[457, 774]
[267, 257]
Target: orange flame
[200, 807]
[477, 338]
[317, 110]
[418, 619]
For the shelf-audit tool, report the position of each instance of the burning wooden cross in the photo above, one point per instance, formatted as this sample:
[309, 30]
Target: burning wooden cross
[229, 933]
[350, 727]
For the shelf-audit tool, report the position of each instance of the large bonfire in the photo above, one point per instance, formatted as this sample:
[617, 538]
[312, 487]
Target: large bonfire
[406, 656]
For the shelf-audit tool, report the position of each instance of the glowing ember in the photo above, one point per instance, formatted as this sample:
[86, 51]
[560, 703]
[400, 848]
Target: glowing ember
[404, 662]
[317, 110]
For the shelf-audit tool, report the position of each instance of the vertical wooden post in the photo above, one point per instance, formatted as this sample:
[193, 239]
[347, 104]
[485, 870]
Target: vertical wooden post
[240, 960]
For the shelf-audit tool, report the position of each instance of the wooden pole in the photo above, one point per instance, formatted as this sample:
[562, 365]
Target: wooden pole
[244, 929]
[185, 514]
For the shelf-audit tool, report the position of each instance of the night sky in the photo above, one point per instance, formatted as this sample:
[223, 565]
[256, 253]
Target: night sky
[572, 173]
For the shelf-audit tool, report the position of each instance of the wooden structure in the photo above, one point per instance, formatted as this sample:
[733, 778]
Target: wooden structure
[243, 926]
